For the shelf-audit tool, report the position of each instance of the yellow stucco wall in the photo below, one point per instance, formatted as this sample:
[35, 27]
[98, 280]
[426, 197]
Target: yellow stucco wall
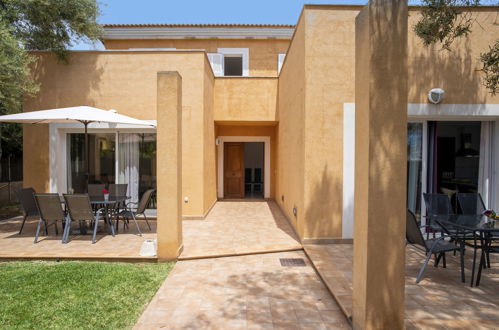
[263, 52]
[209, 148]
[455, 71]
[126, 81]
[291, 116]
[329, 81]
[305, 104]
[245, 99]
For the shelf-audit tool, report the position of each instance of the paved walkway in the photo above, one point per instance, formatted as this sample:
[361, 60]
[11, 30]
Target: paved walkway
[439, 301]
[243, 292]
[238, 228]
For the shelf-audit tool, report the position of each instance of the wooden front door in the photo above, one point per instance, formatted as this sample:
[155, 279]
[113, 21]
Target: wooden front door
[233, 170]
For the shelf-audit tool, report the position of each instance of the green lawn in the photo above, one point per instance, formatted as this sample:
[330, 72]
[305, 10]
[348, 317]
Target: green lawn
[74, 294]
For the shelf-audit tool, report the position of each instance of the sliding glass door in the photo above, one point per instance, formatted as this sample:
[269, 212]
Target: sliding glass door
[414, 166]
[102, 161]
[132, 160]
[137, 162]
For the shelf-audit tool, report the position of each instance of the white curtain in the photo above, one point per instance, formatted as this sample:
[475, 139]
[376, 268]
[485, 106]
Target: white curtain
[129, 158]
[486, 165]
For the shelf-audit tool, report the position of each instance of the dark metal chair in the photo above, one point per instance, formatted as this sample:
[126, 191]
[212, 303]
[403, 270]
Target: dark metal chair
[490, 246]
[438, 206]
[26, 198]
[50, 209]
[471, 203]
[80, 209]
[435, 246]
[128, 213]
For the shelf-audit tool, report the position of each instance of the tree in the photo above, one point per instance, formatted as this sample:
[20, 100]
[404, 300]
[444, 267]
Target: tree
[36, 25]
[444, 21]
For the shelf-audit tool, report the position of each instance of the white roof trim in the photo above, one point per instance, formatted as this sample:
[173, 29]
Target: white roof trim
[196, 32]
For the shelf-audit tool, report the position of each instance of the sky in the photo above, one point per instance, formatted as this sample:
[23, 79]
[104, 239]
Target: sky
[203, 12]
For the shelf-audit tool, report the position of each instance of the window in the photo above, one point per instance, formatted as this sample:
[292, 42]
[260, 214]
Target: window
[233, 65]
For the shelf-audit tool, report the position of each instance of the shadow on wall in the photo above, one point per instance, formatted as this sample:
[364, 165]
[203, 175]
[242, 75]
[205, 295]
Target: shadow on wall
[66, 84]
[386, 153]
[454, 71]
[323, 215]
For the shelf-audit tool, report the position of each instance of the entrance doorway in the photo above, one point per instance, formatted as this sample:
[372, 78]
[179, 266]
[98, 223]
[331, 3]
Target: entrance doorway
[243, 171]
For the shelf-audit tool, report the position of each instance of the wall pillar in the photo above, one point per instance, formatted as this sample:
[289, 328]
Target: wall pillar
[169, 165]
[380, 165]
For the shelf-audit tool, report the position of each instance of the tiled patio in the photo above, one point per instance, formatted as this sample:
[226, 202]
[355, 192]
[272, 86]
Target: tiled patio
[237, 228]
[124, 246]
[231, 228]
[243, 292]
[440, 300]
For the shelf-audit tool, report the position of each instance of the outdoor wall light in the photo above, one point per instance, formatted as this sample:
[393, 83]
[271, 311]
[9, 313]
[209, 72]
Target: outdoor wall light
[295, 211]
[436, 95]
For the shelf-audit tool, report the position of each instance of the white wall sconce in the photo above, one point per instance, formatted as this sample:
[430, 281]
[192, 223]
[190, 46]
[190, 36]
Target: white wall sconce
[436, 95]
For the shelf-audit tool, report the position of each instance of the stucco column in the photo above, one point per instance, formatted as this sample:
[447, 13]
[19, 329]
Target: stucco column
[169, 165]
[380, 165]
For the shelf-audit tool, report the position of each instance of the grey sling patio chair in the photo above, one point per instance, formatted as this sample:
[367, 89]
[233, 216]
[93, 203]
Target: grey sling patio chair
[435, 246]
[26, 198]
[95, 189]
[50, 209]
[118, 189]
[128, 213]
[79, 209]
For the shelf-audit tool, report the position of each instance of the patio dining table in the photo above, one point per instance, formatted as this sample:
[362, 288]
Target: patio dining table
[107, 204]
[465, 227]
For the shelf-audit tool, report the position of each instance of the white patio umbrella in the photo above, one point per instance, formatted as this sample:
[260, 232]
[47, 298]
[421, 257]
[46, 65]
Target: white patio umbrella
[82, 114]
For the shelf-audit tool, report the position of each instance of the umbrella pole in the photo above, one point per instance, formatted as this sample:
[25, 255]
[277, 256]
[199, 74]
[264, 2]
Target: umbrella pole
[87, 160]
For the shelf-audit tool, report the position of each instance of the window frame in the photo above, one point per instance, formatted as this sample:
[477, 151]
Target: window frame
[243, 52]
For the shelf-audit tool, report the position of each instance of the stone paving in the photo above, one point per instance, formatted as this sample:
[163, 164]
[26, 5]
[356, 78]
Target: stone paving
[243, 292]
[124, 246]
[439, 301]
[238, 228]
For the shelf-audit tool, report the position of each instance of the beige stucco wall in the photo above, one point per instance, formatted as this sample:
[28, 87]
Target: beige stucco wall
[263, 52]
[126, 81]
[245, 99]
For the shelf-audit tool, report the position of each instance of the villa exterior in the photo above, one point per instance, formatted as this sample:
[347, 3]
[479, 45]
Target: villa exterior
[268, 111]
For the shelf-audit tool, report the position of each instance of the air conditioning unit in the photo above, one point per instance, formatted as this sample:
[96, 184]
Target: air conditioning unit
[436, 95]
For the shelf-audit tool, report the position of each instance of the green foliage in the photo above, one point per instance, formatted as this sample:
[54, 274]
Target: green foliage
[38, 25]
[15, 78]
[490, 62]
[444, 21]
[76, 295]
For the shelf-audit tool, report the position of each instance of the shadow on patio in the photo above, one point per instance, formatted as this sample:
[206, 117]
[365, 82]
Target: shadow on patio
[440, 300]
[238, 228]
